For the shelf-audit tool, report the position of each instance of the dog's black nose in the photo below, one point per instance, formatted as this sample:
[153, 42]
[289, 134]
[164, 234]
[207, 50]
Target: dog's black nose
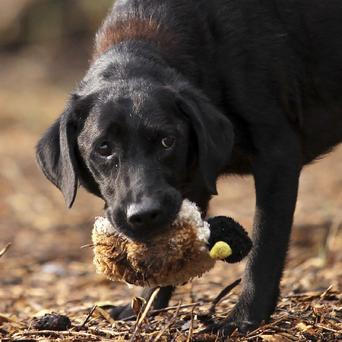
[146, 214]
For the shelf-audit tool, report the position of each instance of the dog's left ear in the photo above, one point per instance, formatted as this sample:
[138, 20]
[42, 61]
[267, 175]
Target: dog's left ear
[213, 130]
[56, 150]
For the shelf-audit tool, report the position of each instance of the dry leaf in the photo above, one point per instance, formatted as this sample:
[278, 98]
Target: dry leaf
[105, 315]
[136, 304]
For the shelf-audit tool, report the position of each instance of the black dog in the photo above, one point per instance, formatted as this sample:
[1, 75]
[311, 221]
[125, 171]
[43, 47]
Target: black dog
[182, 91]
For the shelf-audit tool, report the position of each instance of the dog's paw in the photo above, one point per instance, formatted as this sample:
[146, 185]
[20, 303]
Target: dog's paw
[241, 319]
[229, 325]
[121, 312]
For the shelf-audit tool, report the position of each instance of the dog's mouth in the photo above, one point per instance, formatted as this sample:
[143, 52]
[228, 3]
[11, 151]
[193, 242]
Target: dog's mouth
[118, 220]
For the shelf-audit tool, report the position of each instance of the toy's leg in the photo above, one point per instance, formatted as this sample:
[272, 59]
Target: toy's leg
[161, 301]
[276, 170]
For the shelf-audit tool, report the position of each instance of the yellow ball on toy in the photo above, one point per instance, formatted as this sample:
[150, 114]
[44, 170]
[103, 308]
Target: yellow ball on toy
[220, 250]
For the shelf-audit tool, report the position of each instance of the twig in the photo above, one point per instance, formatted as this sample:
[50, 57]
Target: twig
[309, 322]
[88, 316]
[105, 315]
[207, 317]
[5, 249]
[90, 245]
[218, 337]
[326, 328]
[222, 294]
[333, 231]
[322, 296]
[191, 328]
[172, 321]
[312, 294]
[157, 311]
[55, 334]
[143, 315]
[106, 332]
[262, 328]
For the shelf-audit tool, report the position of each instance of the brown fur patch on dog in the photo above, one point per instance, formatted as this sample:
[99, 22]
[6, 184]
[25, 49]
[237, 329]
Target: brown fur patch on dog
[134, 28]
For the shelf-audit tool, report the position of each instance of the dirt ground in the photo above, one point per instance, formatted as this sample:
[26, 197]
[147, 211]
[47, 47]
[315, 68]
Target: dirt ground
[45, 270]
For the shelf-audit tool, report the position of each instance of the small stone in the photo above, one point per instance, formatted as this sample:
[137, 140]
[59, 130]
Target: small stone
[53, 321]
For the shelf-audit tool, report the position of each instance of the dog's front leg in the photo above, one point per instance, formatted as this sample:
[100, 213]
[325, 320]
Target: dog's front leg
[276, 170]
[161, 301]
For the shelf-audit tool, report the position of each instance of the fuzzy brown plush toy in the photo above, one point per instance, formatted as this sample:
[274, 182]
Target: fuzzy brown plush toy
[187, 249]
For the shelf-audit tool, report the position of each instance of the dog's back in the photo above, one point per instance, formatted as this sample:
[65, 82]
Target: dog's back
[288, 52]
[246, 51]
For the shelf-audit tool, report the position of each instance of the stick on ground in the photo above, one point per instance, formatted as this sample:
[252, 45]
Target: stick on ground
[145, 312]
[5, 249]
[222, 294]
[88, 316]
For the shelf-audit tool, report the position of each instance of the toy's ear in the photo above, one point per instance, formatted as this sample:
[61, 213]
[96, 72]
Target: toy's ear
[213, 131]
[225, 229]
[56, 150]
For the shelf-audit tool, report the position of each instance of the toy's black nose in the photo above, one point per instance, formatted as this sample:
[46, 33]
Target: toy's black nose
[146, 214]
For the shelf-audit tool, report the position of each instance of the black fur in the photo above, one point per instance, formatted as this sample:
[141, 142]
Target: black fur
[244, 87]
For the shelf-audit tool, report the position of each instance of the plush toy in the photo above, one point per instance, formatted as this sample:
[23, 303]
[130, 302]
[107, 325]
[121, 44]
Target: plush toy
[188, 248]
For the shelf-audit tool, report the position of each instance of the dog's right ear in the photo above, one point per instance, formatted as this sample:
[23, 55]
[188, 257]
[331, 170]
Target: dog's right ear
[213, 130]
[56, 150]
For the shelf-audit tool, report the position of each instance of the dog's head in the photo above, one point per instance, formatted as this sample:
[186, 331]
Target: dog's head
[142, 147]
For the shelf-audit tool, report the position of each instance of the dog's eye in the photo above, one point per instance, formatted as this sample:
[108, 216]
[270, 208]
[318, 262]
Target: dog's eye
[168, 142]
[104, 149]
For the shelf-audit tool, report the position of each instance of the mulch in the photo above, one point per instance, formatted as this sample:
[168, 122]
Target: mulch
[34, 291]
